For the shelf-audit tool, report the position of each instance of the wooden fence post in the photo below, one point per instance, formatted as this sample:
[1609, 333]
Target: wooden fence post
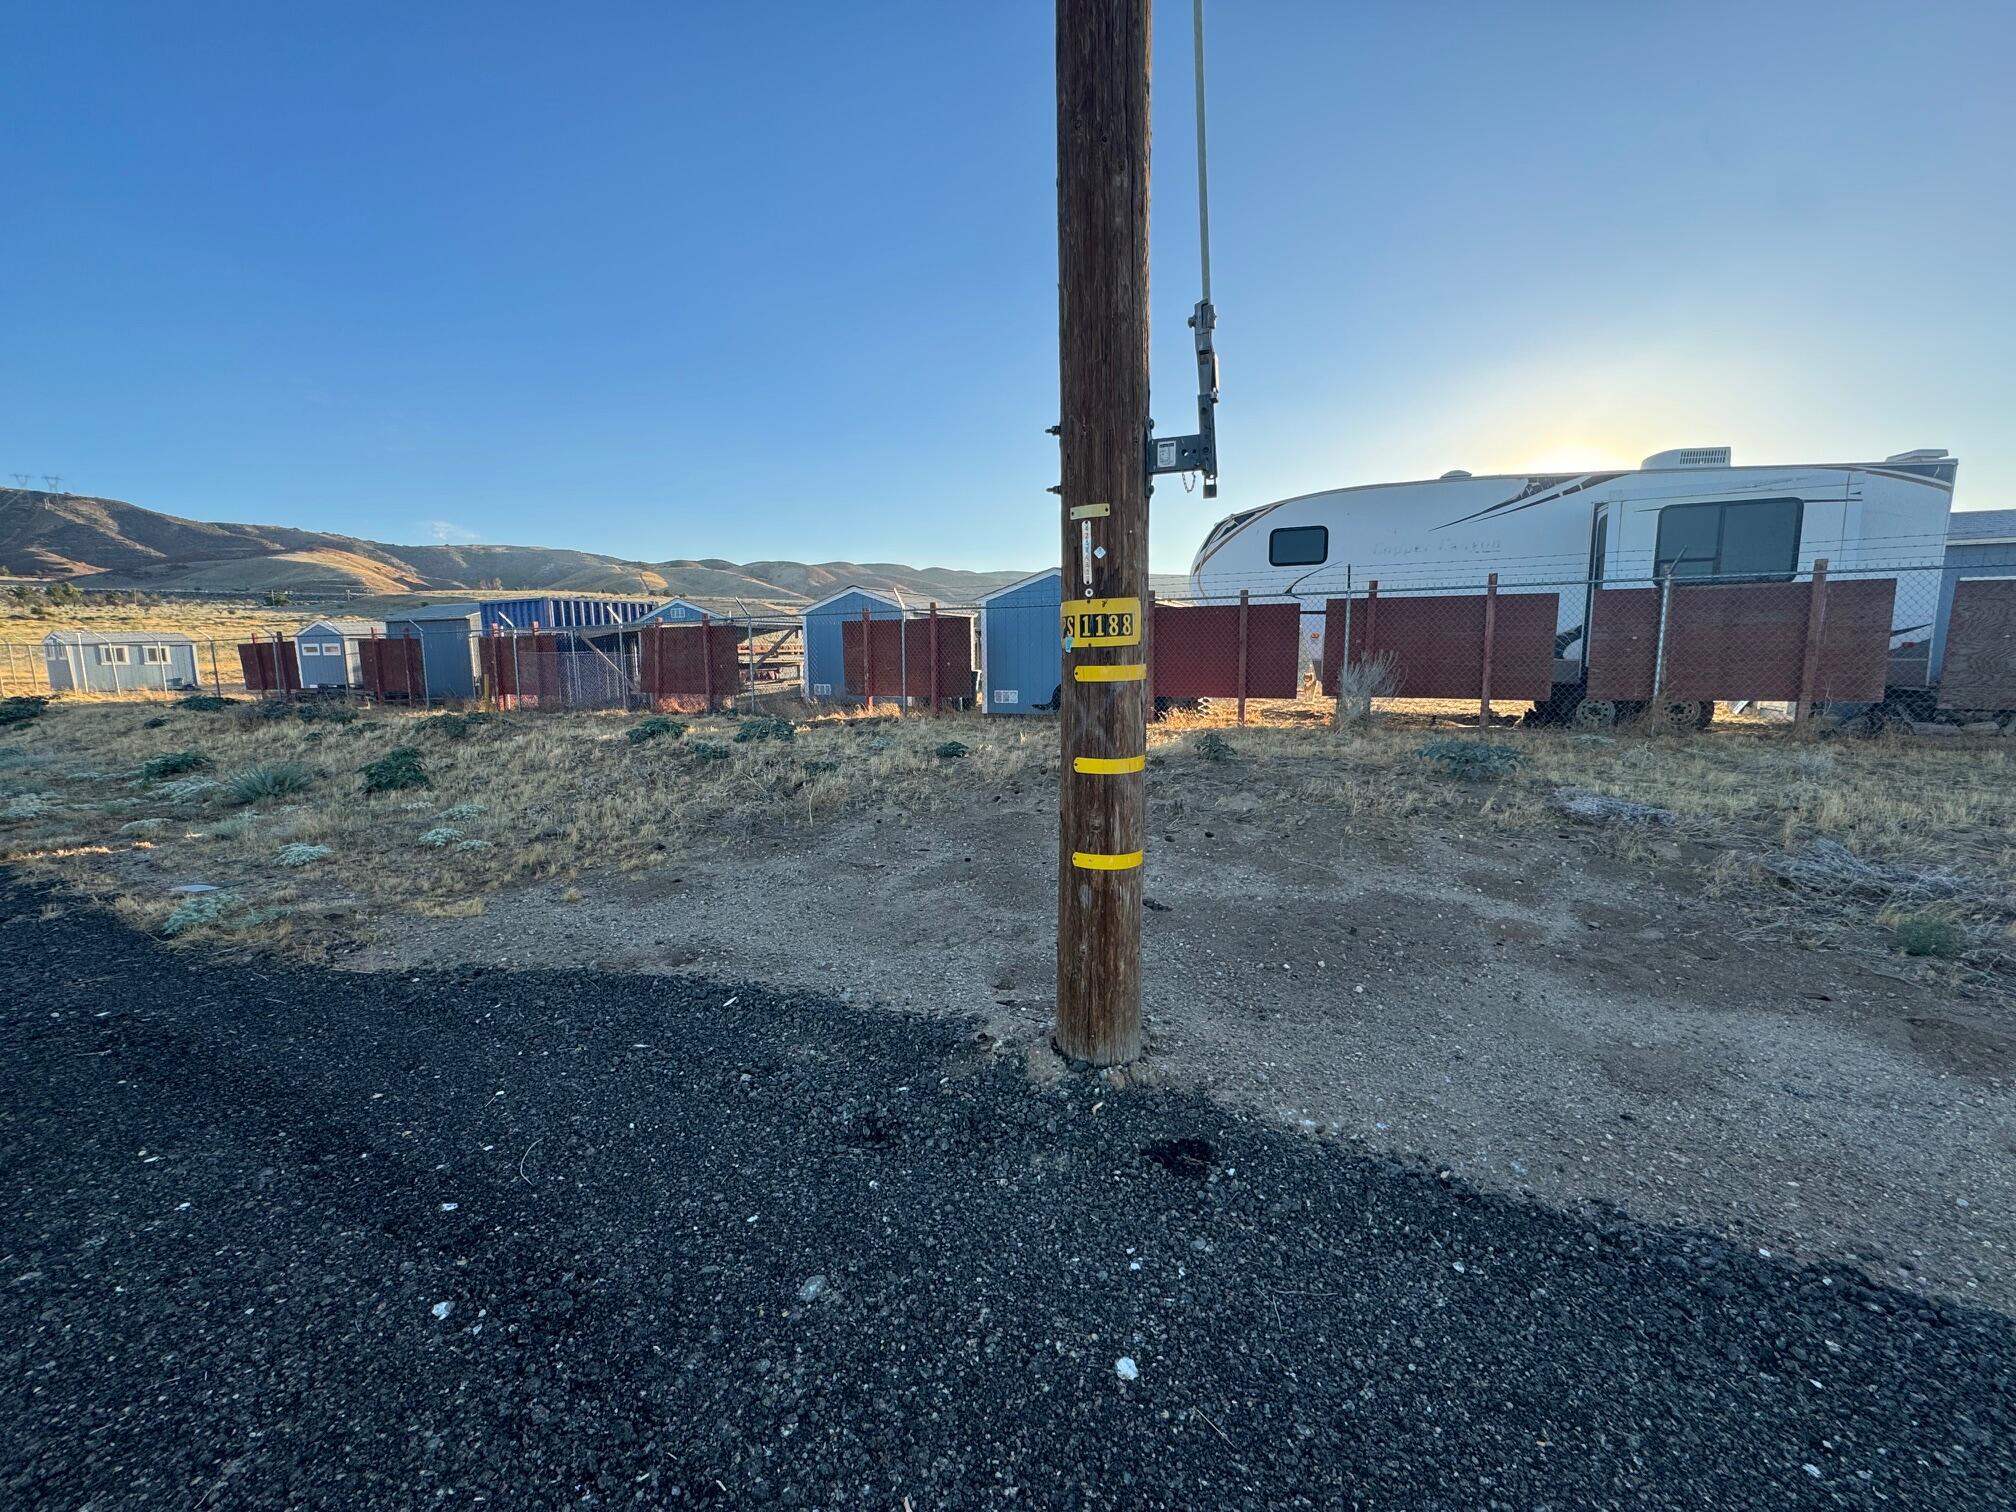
[1245, 596]
[1816, 629]
[934, 657]
[1490, 640]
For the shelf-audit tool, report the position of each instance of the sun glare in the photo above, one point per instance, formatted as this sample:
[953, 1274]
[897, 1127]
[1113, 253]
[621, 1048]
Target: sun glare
[1572, 456]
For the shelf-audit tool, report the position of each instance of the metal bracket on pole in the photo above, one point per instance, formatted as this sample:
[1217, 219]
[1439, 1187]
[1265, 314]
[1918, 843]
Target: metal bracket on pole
[1197, 453]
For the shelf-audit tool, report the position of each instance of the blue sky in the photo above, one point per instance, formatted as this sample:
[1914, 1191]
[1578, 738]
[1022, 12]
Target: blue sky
[779, 281]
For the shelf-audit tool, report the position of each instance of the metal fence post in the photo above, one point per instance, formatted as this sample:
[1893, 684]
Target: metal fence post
[1344, 655]
[1659, 647]
[867, 661]
[1490, 641]
[707, 660]
[1816, 629]
[934, 658]
[1245, 596]
[1147, 651]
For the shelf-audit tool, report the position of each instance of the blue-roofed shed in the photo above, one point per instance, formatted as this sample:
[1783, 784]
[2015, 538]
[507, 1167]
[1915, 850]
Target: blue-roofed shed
[1021, 650]
[676, 612]
[327, 651]
[825, 657]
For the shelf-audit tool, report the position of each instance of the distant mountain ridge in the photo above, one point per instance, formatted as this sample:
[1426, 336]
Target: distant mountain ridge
[121, 545]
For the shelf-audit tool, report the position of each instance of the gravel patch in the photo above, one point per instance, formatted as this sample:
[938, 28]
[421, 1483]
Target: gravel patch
[282, 1236]
[1529, 1012]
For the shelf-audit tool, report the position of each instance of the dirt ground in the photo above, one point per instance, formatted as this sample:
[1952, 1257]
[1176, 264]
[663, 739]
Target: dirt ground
[1530, 1009]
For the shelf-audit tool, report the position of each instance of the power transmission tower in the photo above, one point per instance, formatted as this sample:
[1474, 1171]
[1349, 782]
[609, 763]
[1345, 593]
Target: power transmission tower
[53, 482]
[1102, 260]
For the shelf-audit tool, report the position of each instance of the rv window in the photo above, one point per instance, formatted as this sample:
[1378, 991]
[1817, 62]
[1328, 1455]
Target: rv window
[1298, 546]
[1756, 539]
[1688, 534]
[1761, 540]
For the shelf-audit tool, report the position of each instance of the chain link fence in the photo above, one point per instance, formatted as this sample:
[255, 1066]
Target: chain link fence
[1920, 642]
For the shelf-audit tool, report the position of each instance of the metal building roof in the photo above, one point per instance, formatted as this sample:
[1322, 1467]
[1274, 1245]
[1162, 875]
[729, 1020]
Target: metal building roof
[118, 638]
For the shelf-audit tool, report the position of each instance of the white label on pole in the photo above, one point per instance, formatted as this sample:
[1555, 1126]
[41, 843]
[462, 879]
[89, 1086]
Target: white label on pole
[1165, 453]
[1007, 695]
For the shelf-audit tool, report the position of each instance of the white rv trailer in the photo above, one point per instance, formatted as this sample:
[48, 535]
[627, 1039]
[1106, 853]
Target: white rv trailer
[1689, 510]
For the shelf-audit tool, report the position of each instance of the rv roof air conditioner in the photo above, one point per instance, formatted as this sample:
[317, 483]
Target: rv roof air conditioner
[1688, 456]
[1454, 472]
[1922, 454]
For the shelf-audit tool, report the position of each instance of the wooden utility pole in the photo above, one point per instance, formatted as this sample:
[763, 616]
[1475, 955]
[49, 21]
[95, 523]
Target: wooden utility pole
[1102, 265]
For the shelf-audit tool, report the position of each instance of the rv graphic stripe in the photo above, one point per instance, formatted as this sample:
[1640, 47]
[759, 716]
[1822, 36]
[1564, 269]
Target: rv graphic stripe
[1526, 498]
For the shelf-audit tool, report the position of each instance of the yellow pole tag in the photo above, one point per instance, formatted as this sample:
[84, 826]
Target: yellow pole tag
[1107, 766]
[1094, 861]
[1111, 672]
[1102, 622]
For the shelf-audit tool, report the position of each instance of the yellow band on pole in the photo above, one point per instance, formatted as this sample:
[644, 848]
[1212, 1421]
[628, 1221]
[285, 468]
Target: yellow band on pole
[1107, 766]
[1093, 861]
[1122, 672]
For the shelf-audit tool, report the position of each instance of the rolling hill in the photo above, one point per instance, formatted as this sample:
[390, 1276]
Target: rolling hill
[107, 543]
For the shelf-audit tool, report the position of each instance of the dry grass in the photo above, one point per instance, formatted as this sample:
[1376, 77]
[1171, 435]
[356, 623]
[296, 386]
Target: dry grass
[231, 620]
[549, 798]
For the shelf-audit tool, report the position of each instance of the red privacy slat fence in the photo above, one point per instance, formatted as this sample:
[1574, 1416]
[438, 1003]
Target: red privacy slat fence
[900, 662]
[1200, 650]
[520, 668]
[1980, 663]
[270, 666]
[1775, 642]
[693, 665]
[1436, 644]
[392, 668]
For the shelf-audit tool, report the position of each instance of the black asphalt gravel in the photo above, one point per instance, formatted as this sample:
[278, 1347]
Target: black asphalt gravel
[273, 1236]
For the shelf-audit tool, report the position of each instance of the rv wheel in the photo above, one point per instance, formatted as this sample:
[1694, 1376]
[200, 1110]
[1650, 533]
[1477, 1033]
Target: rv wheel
[1594, 714]
[1558, 707]
[1685, 716]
